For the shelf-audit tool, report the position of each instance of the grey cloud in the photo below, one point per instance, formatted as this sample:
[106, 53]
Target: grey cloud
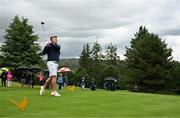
[174, 32]
[80, 21]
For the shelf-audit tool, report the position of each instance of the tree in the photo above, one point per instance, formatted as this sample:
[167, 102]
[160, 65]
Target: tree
[91, 61]
[149, 62]
[81, 72]
[96, 52]
[97, 63]
[19, 48]
[176, 76]
[1, 59]
[111, 56]
[70, 76]
[111, 71]
[85, 57]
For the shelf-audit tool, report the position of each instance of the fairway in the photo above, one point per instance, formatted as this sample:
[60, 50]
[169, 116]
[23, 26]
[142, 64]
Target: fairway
[88, 104]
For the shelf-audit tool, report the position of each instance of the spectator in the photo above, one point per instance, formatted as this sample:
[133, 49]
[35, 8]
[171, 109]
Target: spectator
[28, 78]
[106, 85]
[32, 81]
[23, 80]
[65, 80]
[41, 79]
[4, 78]
[9, 78]
[93, 84]
[60, 81]
[83, 83]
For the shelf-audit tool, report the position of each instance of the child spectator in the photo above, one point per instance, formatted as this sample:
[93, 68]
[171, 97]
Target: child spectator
[9, 78]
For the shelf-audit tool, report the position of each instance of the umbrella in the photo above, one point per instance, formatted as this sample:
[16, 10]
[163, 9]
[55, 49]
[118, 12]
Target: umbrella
[21, 68]
[1, 71]
[34, 68]
[110, 79]
[46, 70]
[64, 69]
[5, 69]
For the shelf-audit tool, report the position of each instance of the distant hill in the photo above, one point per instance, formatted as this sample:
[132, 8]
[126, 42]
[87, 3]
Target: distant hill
[73, 63]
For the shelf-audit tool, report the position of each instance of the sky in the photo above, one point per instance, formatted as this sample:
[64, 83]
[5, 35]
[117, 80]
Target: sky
[77, 22]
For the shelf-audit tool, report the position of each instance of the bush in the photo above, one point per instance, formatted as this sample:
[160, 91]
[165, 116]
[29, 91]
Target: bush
[81, 72]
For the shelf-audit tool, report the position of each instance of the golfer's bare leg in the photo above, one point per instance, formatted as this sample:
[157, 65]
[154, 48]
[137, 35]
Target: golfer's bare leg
[47, 83]
[53, 82]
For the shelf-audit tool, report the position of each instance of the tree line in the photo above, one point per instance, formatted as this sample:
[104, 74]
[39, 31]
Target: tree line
[148, 64]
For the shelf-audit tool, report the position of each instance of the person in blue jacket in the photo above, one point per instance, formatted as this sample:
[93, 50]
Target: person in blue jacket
[60, 81]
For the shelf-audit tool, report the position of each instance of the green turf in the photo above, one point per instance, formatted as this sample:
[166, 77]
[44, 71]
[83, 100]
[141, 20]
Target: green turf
[88, 104]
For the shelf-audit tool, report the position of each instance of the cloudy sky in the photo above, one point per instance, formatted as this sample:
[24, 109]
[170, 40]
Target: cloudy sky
[77, 22]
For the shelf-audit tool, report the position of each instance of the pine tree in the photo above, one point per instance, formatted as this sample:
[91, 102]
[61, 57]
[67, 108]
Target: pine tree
[96, 52]
[85, 57]
[111, 71]
[149, 62]
[96, 68]
[19, 48]
[176, 76]
[1, 60]
[111, 56]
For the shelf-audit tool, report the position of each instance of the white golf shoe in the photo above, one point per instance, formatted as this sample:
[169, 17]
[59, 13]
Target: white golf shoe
[55, 94]
[42, 90]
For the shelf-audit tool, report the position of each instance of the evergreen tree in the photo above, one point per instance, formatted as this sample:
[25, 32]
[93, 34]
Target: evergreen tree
[96, 68]
[85, 57]
[90, 60]
[1, 60]
[96, 52]
[149, 62]
[19, 48]
[111, 71]
[111, 56]
[176, 76]
[81, 72]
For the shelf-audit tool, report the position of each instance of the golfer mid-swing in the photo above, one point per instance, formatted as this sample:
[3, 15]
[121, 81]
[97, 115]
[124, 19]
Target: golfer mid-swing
[53, 52]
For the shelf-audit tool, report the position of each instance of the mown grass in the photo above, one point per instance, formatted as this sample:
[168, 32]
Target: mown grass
[88, 104]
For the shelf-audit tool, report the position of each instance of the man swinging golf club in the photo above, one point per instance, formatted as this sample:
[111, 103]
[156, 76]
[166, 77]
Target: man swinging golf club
[53, 52]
